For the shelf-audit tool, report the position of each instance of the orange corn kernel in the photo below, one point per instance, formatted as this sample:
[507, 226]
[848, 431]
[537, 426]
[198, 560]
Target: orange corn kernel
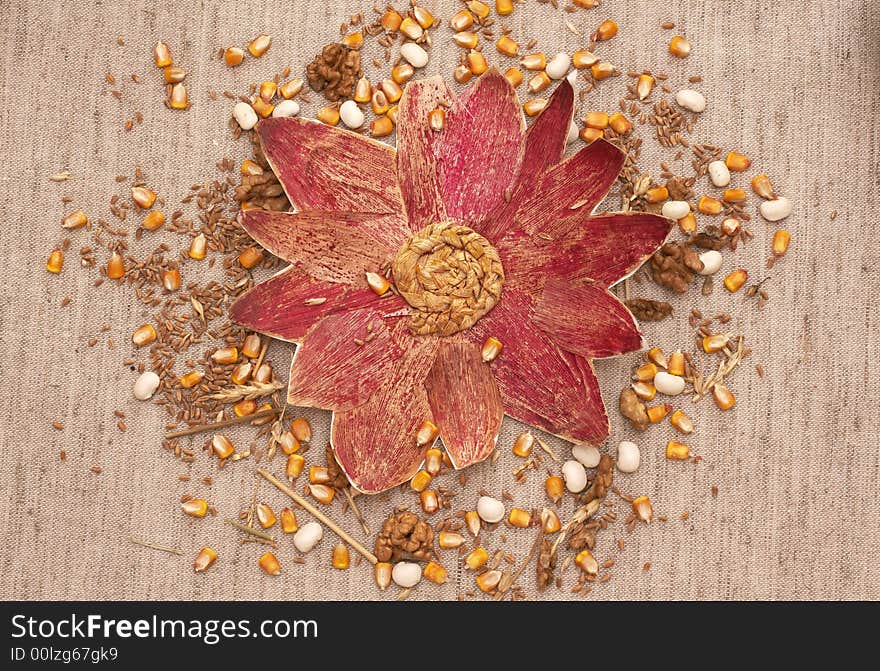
[391, 89]
[539, 82]
[642, 507]
[427, 434]
[535, 61]
[378, 283]
[328, 115]
[290, 89]
[620, 124]
[433, 461]
[161, 55]
[656, 194]
[681, 422]
[288, 443]
[153, 220]
[583, 59]
[514, 76]
[644, 86]
[241, 373]
[225, 355]
[244, 407]
[522, 446]
[761, 185]
[391, 21]
[420, 481]
[730, 226]
[734, 196]
[781, 240]
[321, 493]
[656, 413]
[233, 56]
[411, 28]
[724, 398]
[381, 127]
[478, 557]
[462, 74]
[735, 280]
[382, 575]
[341, 558]
[466, 39]
[263, 108]
[503, 7]
[676, 363]
[677, 451]
[435, 573]
[264, 373]
[480, 9]
[294, 467]
[259, 45]
[472, 522]
[449, 540]
[269, 563]
[679, 47]
[519, 518]
[204, 560]
[506, 46]
[73, 220]
[250, 257]
[737, 162]
[222, 446]
[602, 70]
[265, 516]
[198, 248]
[423, 17]
[301, 429]
[688, 223]
[709, 205]
[115, 266]
[319, 475]
[437, 119]
[143, 197]
[430, 502]
[597, 120]
[477, 62]
[353, 40]
[191, 379]
[535, 106]
[461, 20]
[56, 261]
[179, 99]
[657, 357]
[251, 346]
[644, 390]
[586, 562]
[589, 135]
[645, 373]
[173, 74]
[555, 487]
[550, 522]
[143, 335]
[195, 507]
[488, 581]
[289, 524]
[402, 73]
[714, 343]
[606, 30]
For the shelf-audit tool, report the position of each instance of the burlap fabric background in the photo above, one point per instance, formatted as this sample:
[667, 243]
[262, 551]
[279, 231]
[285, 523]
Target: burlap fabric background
[793, 85]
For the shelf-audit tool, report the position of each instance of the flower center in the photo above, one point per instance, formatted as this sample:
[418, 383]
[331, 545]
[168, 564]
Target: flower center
[450, 275]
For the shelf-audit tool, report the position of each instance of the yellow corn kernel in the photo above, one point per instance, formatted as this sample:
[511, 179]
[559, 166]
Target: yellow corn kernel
[488, 581]
[644, 86]
[260, 421]
[411, 28]
[724, 398]
[435, 573]
[461, 20]
[503, 7]
[506, 46]
[392, 90]
[195, 507]
[191, 379]
[737, 162]
[423, 17]
[656, 194]
[645, 372]
[781, 240]
[393, 113]
[642, 507]
[353, 40]
[462, 74]
[709, 205]
[466, 39]
[539, 82]
[289, 524]
[244, 407]
[250, 257]
[472, 522]
[222, 446]
[598, 120]
[677, 451]
[430, 502]
[328, 115]
[319, 475]
[714, 343]
[602, 70]
[657, 357]
[681, 422]
[433, 462]
[644, 390]
[173, 74]
[143, 197]
[321, 493]
[290, 89]
[735, 280]
[259, 45]
[391, 21]
[734, 196]
[381, 127]
[523, 445]
[288, 443]
[204, 560]
[251, 346]
[583, 59]
[56, 261]
[262, 108]
[73, 220]
[555, 487]
[179, 99]
[480, 9]
[161, 55]
[514, 76]
[341, 558]
[420, 481]
[382, 575]
[378, 283]
[679, 47]
[476, 558]
[269, 563]
[620, 124]
[656, 413]
[198, 248]
[233, 56]
[171, 279]
[115, 266]
[688, 223]
[264, 373]
[534, 106]
[301, 429]
[225, 355]
[589, 135]
[402, 73]
[427, 434]
[449, 540]
[606, 30]
[294, 467]
[477, 62]
[143, 335]
[491, 349]
[241, 373]
[550, 521]
[762, 186]
[676, 363]
[265, 516]
[586, 562]
[153, 220]
[519, 518]
[363, 91]
[535, 61]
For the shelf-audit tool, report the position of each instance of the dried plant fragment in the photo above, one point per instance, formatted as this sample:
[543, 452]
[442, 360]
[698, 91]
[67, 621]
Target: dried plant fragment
[649, 310]
[404, 535]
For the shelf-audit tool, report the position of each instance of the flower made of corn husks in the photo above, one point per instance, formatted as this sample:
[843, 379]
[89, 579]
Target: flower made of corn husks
[439, 285]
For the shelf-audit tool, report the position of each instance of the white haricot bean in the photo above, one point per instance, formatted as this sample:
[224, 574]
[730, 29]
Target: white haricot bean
[308, 536]
[675, 209]
[414, 54]
[286, 108]
[574, 475]
[573, 132]
[406, 574]
[628, 457]
[671, 385]
[691, 100]
[572, 77]
[351, 114]
[490, 510]
[774, 210]
[586, 454]
[557, 68]
[711, 262]
[245, 115]
[719, 174]
[146, 385]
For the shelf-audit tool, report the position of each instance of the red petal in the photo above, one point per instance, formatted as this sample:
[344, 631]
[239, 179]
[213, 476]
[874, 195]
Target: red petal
[465, 402]
[586, 319]
[604, 248]
[539, 383]
[416, 151]
[331, 246]
[481, 148]
[332, 371]
[375, 443]
[287, 305]
[327, 168]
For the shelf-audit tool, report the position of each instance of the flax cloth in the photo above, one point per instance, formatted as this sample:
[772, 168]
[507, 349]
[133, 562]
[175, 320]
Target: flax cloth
[797, 516]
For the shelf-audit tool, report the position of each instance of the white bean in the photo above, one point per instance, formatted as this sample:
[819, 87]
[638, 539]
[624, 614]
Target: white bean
[574, 475]
[572, 77]
[351, 114]
[245, 115]
[586, 454]
[308, 536]
[286, 108]
[146, 385]
[675, 209]
[774, 210]
[572, 133]
[711, 262]
[691, 100]
[671, 385]
[490, 510]
[406, 574]
[414, 54]
[557, 68]
[719, 174]
[628, 457]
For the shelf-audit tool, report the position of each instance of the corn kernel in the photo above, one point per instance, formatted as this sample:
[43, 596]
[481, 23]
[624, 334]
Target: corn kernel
[423, 17]
[288, 443]
[289, 524]
[161, 55]
[143, 335]
[250, 257]
[642, 507]
[781, 240]
[449, 540]
[519, 518]
[737, 162]
[491, 349]
[427, 434]
[656, 413]
[381, 127]
[294, 466]
[539, 82]
[179, 99]
[586, 562]
[115, 266]
[171, 279]
[472, 522]
[606, 30]
[589, 135]
[265, 516]
[476, 558]
[681, 422]
[735, 280]
[597, 120]
[466, 39]
[503, 7]
[244, 407]
[73, 220]
[269, 563]
[688, 223]
[761, 185]
[430, 502]
[301, 429]
[319, 475]
[676, 363]
[56, 261]
[195, 507]
[233, 56]
[292, 88]
[645, 372]
[514, 76]
[204, 560]
[402, 73]
[462, 74]
[420, 481]
[391, 90]
[198, 248]
[644, 390]
[730, 226]
[679, 47]
[259, 45]
[602, 70]
[550, 521]
[378, 283]
[644, 86]
[264, 373]
[506, 46]
[677, 451]
[251, 346]
[225, 355]
[153, 220]
[534, 106]
[262, 108]
[734, 196]
[353, 40]
[328, 115]
[411, 29]
[391, 21]
[222, 446]
[488, 581]
[173, 74]
[724, 398]
[382, 575]
[480, 9]
[461, 20]
[714, 343]
[143, 197]
[341, 558]
[535, 61]
[709, 205]
[620, 124]
[241, 373]
[523, 445]
[584, 59]
[435, 573]
[477, 62]
[321, 493]
[555, 487]
[656, 194]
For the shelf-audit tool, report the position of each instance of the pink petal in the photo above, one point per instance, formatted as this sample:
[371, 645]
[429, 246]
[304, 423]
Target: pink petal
[375, 443]
[465, 402]
[416, 151]
[327, 168]
[290, 303]
[331, 370]
[604, 248]
[586, 319]
[331, 246]
[480, 152]
[539, 383]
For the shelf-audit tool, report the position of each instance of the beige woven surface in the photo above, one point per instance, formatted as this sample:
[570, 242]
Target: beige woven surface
[794, 85]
